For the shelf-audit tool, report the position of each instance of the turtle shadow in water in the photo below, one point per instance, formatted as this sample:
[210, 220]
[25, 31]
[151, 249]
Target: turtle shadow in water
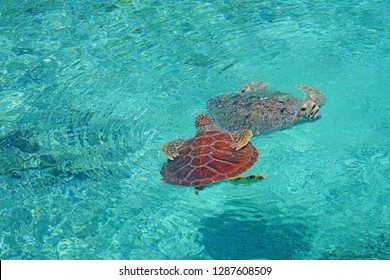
[226, 237]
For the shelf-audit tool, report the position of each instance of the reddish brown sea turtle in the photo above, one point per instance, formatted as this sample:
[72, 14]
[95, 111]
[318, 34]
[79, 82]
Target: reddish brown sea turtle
[211, 156]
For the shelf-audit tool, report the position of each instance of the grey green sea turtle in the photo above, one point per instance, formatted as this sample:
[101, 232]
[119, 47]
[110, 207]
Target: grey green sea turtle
[263, 111]
[209, 157]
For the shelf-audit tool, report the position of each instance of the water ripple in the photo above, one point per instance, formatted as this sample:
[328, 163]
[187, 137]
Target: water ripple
[90, 91]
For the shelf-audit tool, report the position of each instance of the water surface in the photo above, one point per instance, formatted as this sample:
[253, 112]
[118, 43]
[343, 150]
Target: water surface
[90, 91]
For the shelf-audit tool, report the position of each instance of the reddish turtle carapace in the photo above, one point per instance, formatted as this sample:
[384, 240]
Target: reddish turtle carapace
[211, 156]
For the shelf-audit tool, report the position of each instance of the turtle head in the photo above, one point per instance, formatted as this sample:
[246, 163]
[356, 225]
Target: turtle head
[309, 110]
[202, 121]
[310, 107]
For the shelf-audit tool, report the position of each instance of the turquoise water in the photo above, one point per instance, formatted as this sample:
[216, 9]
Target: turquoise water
[90, 91]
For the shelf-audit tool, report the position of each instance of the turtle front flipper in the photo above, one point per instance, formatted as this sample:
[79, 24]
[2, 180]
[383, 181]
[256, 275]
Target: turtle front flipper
[256, 86]
[241, 138]
[312, 94]
[170, 149]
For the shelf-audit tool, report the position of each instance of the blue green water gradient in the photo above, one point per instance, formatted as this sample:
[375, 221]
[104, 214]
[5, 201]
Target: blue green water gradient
[90, 91]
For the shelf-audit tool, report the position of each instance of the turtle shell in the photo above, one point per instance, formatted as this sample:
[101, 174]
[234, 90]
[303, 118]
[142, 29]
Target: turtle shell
[208, 158]
[262, 112]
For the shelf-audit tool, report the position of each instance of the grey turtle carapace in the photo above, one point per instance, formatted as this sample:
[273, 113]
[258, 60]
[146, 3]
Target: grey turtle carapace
[209, 157]
[256, 108]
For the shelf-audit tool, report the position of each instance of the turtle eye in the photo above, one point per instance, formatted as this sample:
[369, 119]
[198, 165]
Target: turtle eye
[303, 109]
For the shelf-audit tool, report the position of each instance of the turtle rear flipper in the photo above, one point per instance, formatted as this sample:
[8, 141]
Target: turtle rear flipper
[247, 178]
[312, 94]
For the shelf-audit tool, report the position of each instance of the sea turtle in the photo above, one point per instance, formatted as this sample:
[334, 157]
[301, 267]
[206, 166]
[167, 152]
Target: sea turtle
[209, 157]
[263, 111]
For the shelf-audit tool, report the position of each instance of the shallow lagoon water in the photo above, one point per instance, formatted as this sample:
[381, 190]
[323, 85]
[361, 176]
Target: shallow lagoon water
[90, 91]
